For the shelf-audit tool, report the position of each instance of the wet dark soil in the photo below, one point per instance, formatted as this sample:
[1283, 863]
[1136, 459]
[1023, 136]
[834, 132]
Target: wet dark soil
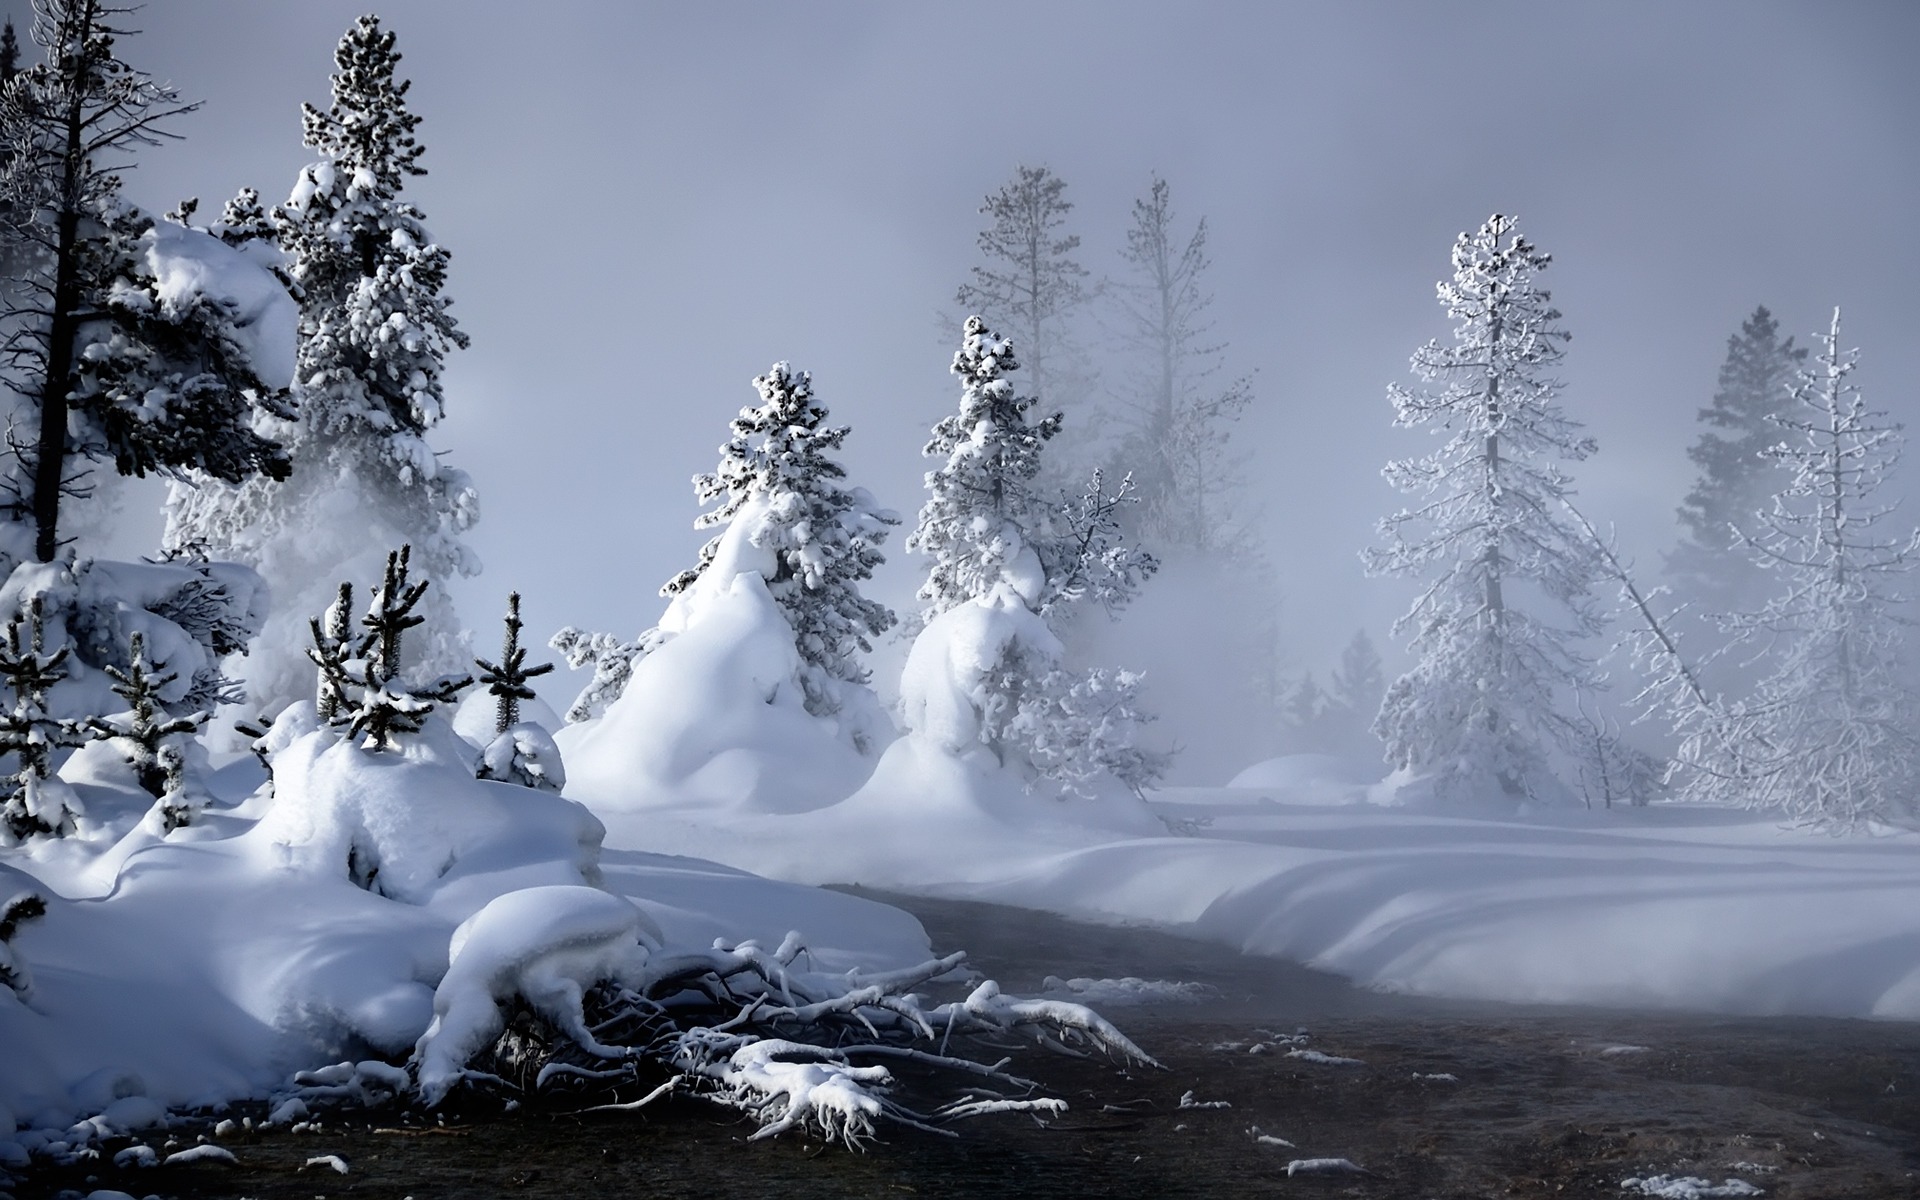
[1444, 1100]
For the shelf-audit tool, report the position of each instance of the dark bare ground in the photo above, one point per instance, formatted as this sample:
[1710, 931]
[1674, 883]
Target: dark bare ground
[1544, 1102]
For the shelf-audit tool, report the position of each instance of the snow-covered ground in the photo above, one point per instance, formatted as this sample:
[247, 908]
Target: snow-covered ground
[1656, 907]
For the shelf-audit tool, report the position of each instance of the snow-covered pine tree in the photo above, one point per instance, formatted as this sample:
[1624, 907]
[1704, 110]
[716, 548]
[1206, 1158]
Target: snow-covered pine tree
[984, 520]
[1030, 281]
[1828, 736]
[995, 541]
[1737, 476]
[987, 520]
[1491, 691]
[823, 538]
[375, 330]
[1182, 412]
[111, 361]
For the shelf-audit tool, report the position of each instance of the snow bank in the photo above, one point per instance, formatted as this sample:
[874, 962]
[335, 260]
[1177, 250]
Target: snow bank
[1650, 908]
[715, 716]
[415, 825]
[320, 922]
[545, 945]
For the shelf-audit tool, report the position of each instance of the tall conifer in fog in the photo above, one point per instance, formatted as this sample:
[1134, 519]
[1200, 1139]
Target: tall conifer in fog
[1182, 410]
[1737, 477]
[1506, 584]
[1031, 285]
[375, 331]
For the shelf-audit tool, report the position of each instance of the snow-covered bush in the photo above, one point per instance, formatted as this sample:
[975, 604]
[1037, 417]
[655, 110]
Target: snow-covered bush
[986, 677]
[717, 713]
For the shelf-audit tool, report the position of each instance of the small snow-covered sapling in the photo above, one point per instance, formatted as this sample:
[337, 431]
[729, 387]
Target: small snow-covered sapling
[507, 681]
[144, 732]
[361, 686]
[33, 802]
[333, 648]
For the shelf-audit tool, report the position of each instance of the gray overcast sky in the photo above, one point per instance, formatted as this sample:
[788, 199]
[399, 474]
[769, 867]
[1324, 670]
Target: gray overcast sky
[648, 204]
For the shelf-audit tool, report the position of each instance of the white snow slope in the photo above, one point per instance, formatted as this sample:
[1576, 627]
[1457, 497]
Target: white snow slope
[1661, 907]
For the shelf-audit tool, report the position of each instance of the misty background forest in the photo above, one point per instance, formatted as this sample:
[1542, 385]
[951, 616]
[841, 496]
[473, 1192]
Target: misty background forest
[1671, 165]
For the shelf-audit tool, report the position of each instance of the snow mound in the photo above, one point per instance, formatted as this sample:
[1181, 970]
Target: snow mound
[545, 945]
[414, 825]
[714, 716]
[1308, 779]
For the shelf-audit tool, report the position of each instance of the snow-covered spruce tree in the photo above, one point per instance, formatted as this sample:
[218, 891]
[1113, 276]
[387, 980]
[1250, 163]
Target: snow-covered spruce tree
[1737, 476]
[776, 480]
[1829, 735]
[111, 361]
[1492, 689]
[375, 330]
[996, 543]
[506, 681]
[1030, 281]
[987, 520]
[1182, 412]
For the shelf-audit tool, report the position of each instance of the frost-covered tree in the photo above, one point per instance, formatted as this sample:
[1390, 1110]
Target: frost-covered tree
[612, 661]
[1738, 476]
[375, 331]
[1009, 558]
[1183, 411]
[113, 357]
[1030, 282]
[778, 482]
[1829, 735]
[1488, 697]
[1360, 680]
[987, 520]
[9, 54]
